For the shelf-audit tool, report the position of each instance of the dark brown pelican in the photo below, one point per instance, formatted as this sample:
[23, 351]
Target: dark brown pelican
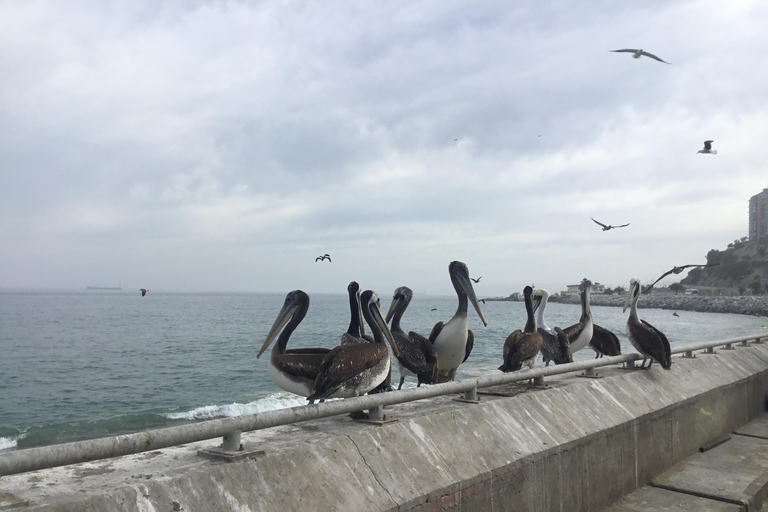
[453, 340]
[604, 342]
[356, 330]
[580, 334]
[636, 54]
[555, 345]
[646, 339]
[143, 291]
[417, 356]
[323, 258]
[676, 270]
[708, 148]
[353, 370]
[521, 348]
[607, 227]
[292, 370]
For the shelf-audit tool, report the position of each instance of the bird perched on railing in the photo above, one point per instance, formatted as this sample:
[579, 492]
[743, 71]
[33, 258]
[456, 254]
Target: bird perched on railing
[521, 348]
[648, 340]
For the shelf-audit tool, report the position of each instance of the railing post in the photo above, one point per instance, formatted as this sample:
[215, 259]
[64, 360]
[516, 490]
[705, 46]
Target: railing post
[376, 413]
[538, 382]
[709, 350]
[469, 396]
[744, 343]
[728, 346]
[758, 341]
[688, 354]
[231, 441]
[591, 373]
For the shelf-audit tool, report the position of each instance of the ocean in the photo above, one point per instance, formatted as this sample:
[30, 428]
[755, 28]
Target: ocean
[81, 364]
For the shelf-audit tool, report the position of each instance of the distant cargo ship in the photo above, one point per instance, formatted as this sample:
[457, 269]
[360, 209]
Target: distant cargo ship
[118, 287]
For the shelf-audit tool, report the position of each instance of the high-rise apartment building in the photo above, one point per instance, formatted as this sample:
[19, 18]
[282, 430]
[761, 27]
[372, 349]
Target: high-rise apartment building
[758, 216]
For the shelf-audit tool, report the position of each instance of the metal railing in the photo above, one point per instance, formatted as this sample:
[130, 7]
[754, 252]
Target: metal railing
[32, 459]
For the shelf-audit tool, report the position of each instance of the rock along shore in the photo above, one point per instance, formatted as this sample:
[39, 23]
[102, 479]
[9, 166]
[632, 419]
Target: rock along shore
[744, 305]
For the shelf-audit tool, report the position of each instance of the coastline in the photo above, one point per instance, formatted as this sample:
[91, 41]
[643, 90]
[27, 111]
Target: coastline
[742, 305]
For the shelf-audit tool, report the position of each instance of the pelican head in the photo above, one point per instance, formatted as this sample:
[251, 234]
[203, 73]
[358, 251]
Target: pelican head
[294, 301]
[375, 318]
[460, 276]
[354, 288]
[540, 296]
[401, 298]
[634, 290]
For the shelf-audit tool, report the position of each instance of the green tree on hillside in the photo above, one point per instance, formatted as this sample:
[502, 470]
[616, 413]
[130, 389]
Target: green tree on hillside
[677, 287]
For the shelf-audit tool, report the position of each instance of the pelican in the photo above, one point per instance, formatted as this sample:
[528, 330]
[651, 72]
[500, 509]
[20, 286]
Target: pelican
[292, 370]
[453, 340]
[646, 339]
[353, 370]
[521, 348]
[636, 54]
[708, 148]
[143, 291]
[607, 227]
[417, 356]
[555, 346]
[676, 270]
[356, 330]
[580, 334]
[604, 342]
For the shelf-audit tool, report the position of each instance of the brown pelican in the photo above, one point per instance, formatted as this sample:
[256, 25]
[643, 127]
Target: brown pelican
[555, 346]
[353, 370]
[453, 340]
[708, 148]
[646, 339]
[604, 342]
[143, 291]
[676, 270]
[607, 227]
[521, 348]
[636, 54]
[324, 257]
[579, 334]
[356, 330]
[417, 356]
[292, 370]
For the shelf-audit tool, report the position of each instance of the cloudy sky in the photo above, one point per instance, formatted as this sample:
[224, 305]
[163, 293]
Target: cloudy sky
[222, 146]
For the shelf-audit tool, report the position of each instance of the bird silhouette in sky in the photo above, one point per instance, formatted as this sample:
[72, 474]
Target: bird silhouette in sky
[676, 270]
[323, 258]
[476, 280]
[607, 227]
[708, 148]
[143, 291]
[636, 54]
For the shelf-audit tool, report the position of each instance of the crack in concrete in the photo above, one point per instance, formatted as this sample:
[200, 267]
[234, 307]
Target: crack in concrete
[373, 472]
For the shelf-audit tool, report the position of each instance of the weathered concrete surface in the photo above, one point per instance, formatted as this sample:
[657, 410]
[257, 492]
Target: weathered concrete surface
[579, 446]
[647, 499]
[736, 470]
[755, 428]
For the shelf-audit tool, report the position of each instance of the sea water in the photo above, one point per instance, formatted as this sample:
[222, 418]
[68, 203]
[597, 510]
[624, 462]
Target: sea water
[83, 364]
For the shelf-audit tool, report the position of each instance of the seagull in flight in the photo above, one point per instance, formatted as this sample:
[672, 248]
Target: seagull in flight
[708, 148]
[323, 258]
[607, 227]
[636, 54]
[143, 291]
[676, 270]
[476, 280]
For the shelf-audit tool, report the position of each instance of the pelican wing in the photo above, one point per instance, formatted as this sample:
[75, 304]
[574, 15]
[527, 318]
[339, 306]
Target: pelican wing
[622, 226]
[509, 344]
[665, 357]
[524, 347]
[625, 50]
[343, 363]
[653, 57]
[302, 363]
[572, 331]
[596, 221]
[470, 344]
[604, 341]
[435, 332]
[565, 345]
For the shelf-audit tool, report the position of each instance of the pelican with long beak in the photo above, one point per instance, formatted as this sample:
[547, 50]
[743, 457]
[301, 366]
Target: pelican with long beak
[294, 370]
[453, 340]
[554, 343]
[353, 370]
[417, 356]
[356, 330]
[521, 348]
[580, 334]
[648, 340]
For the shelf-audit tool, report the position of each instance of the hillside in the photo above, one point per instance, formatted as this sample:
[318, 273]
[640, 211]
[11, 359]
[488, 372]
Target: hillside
[743, 265]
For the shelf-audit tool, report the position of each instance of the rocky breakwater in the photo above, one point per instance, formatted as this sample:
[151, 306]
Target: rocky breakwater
[745, 305]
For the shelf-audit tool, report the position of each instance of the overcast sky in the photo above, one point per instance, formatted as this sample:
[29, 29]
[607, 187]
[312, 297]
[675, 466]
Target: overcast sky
[222, 146]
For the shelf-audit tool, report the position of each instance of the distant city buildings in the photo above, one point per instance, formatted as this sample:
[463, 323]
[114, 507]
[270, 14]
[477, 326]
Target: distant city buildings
[758, 216]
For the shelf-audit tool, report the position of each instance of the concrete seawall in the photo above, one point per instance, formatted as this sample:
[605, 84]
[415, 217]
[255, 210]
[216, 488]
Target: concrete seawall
[579, 445]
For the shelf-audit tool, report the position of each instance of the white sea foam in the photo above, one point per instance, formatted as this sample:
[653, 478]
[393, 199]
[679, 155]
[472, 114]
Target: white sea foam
[10, 442]
[269, 403]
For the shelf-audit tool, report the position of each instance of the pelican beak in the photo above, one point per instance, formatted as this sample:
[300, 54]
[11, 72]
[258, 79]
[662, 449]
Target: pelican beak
[360, 314]
[536, 302]
[629, 297]
[393, 307]
[381, 323]
[466, 285]
[282, 318]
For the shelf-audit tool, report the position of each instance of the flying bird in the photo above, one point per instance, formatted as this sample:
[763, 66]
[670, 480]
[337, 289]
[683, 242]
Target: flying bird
[143, 291]
[676, 270]
[433, 309]
[708, 148]
[607, 227]
[636, 54]
[476, 280]
[675, 314]
[323, 257]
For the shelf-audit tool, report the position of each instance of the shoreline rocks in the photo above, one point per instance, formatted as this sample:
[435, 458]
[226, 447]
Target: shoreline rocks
[743, 305]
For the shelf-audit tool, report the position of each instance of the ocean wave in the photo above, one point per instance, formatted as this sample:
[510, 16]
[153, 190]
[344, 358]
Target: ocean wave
[10, 442]
[269, 403]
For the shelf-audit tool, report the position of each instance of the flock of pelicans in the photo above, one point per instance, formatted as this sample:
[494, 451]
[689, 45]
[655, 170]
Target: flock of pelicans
[361, 363]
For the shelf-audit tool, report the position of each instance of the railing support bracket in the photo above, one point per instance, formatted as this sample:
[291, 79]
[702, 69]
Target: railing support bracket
[590, 373]
[469, 397]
